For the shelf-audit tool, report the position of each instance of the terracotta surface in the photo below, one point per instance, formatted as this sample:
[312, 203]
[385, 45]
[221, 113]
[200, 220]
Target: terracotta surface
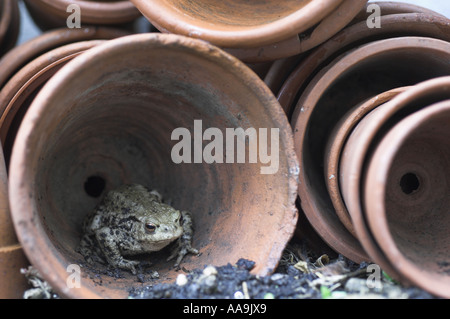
[13, 283]
[12, 257]
[406, 187]
[410, 24]
[355, 156]
[7, 234]
[53, 13]
[110, 113]
[334, 147]
[281, 68]
[304, 40]
[9, 24]
[347, 81]
[18, 57]
[236, 23]
[18, 93]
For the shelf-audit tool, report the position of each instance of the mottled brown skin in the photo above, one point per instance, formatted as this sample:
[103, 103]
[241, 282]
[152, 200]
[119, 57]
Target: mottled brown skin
[132, 220]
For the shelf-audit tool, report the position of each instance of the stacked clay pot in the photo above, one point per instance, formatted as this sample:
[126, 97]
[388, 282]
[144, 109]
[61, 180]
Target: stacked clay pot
[108, 114]
[364, 158]
[25, 69]
[50, 14]
[288, 77]
[351, 79]
[12, 257]
[327, 92]
[9, 24]
[405, 185]
[276, 31]
[394, 182]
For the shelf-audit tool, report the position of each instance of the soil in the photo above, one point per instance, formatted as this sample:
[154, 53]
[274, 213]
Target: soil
[298, 276]
[301, 274]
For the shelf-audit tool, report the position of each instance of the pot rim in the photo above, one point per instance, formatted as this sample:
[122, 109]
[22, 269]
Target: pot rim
[168, 19]
[423, 24]
[303, 41]
[323, 222]
[52, 268]
[19, 56]
[5, 17]
[31, 76]
[387, 8]
[92, 11]
[365, 140]
[336, 144]
[9, 25]
[375, 211]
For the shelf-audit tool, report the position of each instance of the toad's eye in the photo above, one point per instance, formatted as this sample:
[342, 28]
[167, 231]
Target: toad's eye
[150, 228]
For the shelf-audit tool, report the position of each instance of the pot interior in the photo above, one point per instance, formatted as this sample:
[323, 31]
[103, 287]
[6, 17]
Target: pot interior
[108, 123]
[365, 79]
[417, 194]
[237, 12]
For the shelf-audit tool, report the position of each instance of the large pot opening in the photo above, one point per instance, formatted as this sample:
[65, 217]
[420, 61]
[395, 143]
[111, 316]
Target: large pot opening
[105, 124]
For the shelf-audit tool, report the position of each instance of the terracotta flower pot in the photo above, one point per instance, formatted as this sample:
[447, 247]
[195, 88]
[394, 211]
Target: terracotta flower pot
[27, 67]
[17, 95]
[304, 40]
[109, 114]
[9, 24]
[53, 13]
[12, 257]
[18, 57]
[335, 145]
[348, 80]
[356, 155]
[24, 73]
[417, 246]
[15, 98]
[256, 32]
[234, 23]
[395, 25]
[407, 173]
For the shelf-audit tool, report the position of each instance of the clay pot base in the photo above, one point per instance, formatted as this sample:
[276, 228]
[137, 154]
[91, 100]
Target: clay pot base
[112, 121]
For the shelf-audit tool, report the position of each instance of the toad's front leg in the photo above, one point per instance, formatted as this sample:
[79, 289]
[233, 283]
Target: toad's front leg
[184, 243]
[113, 246]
